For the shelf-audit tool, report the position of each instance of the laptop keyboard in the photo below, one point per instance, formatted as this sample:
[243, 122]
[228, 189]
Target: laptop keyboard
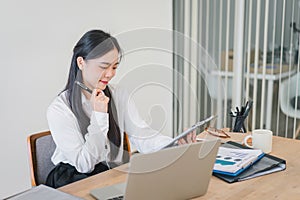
[117, 198]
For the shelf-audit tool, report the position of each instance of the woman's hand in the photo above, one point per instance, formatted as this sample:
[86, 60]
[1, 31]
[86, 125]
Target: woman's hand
[99, 101]
[190, 138]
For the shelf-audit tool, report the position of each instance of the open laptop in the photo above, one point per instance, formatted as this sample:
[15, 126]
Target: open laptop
[180, 172]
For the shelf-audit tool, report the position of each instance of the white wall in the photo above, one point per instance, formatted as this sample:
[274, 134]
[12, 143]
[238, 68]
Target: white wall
[36, 41]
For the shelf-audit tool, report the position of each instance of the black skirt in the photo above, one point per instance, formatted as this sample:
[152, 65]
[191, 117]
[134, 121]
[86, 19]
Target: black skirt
[63, 174]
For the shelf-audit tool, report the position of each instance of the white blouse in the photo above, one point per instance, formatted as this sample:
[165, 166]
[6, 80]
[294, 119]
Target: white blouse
[85, 153]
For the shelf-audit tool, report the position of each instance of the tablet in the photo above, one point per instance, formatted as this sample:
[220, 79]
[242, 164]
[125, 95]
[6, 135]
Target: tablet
[184, 133]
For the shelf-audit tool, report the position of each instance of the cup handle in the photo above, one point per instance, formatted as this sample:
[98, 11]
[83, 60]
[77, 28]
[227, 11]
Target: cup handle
[245, 141]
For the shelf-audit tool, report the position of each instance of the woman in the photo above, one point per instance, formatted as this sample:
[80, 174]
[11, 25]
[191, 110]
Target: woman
[88, 128]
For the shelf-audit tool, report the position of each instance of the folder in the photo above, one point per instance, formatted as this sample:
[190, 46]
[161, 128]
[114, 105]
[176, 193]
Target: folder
[266, 165]
[233, 161]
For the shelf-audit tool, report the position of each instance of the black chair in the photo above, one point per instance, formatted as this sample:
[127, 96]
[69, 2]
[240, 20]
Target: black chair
[41, 147]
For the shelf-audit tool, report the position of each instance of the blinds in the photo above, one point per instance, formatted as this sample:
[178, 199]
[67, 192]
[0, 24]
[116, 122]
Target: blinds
[228, 52]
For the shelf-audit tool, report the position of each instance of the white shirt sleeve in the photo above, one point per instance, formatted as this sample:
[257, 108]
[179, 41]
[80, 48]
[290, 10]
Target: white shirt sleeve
[143, 137]
[85, 153]
[71, 147]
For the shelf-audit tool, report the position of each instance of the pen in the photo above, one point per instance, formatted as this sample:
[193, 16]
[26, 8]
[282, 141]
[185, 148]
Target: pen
[83, 87]
[248, 108]
[238, 111]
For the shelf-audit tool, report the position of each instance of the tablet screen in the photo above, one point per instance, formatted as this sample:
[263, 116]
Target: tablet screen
[184, 133]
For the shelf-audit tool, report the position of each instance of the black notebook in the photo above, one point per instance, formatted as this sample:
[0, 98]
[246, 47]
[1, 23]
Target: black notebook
[266, 165]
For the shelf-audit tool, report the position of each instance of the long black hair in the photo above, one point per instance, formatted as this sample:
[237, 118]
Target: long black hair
[93, 44]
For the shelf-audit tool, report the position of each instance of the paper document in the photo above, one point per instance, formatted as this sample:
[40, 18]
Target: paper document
[233, 161]
[266, 165]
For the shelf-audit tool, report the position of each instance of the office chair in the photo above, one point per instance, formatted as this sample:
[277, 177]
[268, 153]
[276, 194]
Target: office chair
[287, 92]
[214, 87]
[41, 147]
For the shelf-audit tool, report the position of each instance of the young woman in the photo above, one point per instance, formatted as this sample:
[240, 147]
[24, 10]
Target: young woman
[88, 126]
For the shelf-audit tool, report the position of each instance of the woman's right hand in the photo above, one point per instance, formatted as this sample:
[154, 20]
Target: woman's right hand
[190, 138]
[99, 101]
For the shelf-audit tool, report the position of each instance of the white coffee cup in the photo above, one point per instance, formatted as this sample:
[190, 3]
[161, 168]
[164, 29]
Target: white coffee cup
[261, 139]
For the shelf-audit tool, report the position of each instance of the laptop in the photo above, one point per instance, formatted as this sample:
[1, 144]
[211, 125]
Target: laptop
[179, 172]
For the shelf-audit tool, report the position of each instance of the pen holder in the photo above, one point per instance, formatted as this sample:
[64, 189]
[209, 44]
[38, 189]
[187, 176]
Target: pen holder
[237, 124]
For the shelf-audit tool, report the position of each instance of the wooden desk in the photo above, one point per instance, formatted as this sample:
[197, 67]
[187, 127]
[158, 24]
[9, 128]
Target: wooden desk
[279, 185]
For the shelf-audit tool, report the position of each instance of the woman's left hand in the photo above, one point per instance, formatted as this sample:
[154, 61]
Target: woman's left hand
[190, 138]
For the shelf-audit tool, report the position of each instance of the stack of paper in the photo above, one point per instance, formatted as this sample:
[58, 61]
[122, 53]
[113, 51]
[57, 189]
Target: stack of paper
[266, 165]
[232, 161]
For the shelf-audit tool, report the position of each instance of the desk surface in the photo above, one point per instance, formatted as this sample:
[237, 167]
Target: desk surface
[258, 75]
[280, 185]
